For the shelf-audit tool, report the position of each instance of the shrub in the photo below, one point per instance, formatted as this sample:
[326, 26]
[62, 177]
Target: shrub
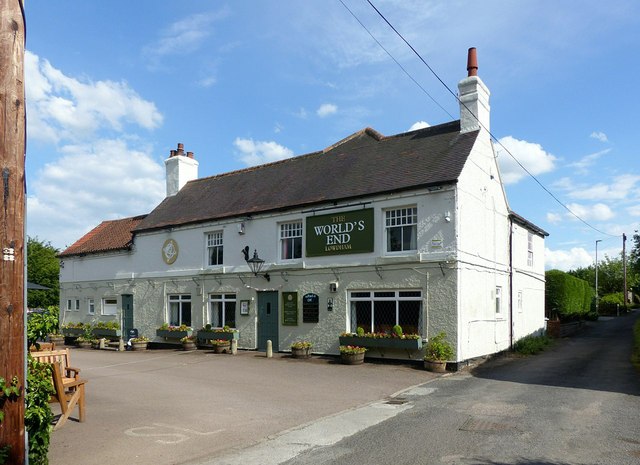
[531, 345]
[610, 304]
[567, 297]
[438, 349]
[360, 331]
[352, 350]
[397, 330]
[301, 345]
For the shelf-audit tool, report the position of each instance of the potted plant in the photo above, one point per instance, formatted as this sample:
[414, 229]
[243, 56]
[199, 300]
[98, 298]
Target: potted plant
[352, 355]
[437, 352]
[301, 349]
[188, 343]
[139, 343]
[84, 342]
[221, 346]
[56, 339]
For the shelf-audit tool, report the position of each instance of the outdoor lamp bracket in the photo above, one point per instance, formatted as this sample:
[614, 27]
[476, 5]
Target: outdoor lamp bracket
[255, 263]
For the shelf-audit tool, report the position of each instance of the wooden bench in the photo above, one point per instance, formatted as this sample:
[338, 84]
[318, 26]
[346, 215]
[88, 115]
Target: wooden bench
[68, 386]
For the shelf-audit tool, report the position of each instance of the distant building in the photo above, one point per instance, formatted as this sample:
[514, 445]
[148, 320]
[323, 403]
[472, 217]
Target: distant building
[412, 229]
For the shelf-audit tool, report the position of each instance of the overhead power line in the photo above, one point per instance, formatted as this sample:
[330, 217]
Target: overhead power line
[455, 96]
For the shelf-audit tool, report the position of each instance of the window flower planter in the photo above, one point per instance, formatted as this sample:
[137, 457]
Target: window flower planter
[175, 334]
[381, 342]
[211, 334]
[73, 332]
[104, 332]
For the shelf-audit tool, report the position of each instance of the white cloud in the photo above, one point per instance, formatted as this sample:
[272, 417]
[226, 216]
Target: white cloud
[598, 135]
[566, 260]
[620, 188]
[184, 36]
[64, 108]
[326, 109]
[419, 125]
[597, 212]
[532, 156]
[634, 210]
[90, 183]
[585, 162]
[254, 153]
[554, 218]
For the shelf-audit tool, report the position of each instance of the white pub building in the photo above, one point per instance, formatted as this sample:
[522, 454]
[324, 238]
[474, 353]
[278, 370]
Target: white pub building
[411, 229]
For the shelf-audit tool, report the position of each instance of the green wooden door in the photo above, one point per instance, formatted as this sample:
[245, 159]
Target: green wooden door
[267, 319]
[127, 314]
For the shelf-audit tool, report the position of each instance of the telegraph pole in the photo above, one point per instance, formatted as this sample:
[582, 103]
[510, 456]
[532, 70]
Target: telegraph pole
[12, 210]
[624, 268]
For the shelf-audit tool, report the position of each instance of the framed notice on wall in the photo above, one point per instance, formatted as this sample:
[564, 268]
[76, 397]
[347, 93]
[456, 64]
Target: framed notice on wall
[290, 308]
[244, 307]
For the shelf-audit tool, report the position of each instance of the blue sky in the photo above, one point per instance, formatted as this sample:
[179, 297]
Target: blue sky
[112, 87]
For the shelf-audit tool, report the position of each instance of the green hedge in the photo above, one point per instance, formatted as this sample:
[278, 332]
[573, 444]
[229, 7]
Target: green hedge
[567, 297]
[610, 304]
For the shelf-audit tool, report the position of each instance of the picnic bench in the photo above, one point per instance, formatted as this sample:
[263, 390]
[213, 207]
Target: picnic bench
[67, 384]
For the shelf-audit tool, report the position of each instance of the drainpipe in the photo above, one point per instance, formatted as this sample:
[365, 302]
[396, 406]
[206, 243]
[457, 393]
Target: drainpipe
[510, 284]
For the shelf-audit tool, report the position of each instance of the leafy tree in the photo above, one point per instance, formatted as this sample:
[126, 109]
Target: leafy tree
[42, 268]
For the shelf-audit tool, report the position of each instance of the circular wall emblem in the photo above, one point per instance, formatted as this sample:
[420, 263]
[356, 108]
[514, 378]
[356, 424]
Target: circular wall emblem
[169, 251]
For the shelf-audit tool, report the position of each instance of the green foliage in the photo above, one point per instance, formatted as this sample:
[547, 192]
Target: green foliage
[37, 415]
[567, 297]
[40, 324]
[635, 354]
[42, 268]
[438, 349]
[360, 331]
[610, 304]
[531, 345]
[107, 325]
[397, 330]
[352, 350]
[8, 392]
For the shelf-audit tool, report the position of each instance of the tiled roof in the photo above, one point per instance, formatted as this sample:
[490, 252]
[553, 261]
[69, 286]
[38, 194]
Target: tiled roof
[107, 236]
[363, 164]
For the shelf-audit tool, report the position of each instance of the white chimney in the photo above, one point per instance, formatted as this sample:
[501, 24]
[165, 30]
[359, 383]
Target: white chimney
[474, 98]
[181, 168]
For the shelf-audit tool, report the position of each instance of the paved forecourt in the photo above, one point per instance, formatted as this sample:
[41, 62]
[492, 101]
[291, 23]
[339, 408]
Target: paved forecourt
[170, 407]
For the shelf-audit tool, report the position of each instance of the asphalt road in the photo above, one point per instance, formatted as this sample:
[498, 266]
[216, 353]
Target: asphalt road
[577, 403]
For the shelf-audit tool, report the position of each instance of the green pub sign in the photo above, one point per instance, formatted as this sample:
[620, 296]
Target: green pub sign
[290, 308]
[340, 233]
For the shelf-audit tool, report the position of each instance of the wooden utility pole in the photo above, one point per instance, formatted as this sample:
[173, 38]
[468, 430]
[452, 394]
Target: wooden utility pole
[12, 210]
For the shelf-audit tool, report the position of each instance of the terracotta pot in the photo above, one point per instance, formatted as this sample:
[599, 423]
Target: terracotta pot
[352, 359]
[222, 348]
[139, 345]
[189, 345]
[435, 366]
[301, 353]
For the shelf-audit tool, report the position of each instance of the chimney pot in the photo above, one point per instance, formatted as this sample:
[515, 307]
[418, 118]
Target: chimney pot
[190, 154]
[172, 153]
[472, 62]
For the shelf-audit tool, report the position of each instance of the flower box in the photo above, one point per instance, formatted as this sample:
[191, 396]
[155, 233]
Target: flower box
[105, 332]
[381, 342]
[73, 332]
[175, 334]
[211, 334]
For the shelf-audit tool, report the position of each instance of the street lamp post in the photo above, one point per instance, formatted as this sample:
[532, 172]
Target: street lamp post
[599, 240]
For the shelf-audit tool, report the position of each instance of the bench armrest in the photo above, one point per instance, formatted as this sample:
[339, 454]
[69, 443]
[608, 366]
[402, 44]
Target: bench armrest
[72, 372]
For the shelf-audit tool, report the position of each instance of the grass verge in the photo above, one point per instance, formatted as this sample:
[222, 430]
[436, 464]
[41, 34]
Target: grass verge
[531, 345]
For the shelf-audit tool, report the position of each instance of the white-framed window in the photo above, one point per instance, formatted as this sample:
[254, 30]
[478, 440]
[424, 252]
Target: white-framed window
[109, 306]
[401, 229]
[529, 248]
[69, 305]
[520, 301]
[379, 311]
[222, 310]
[180, 309]
[291, 240]
[91, 306]
[498, 300]
[77, 305]
[214, 248]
